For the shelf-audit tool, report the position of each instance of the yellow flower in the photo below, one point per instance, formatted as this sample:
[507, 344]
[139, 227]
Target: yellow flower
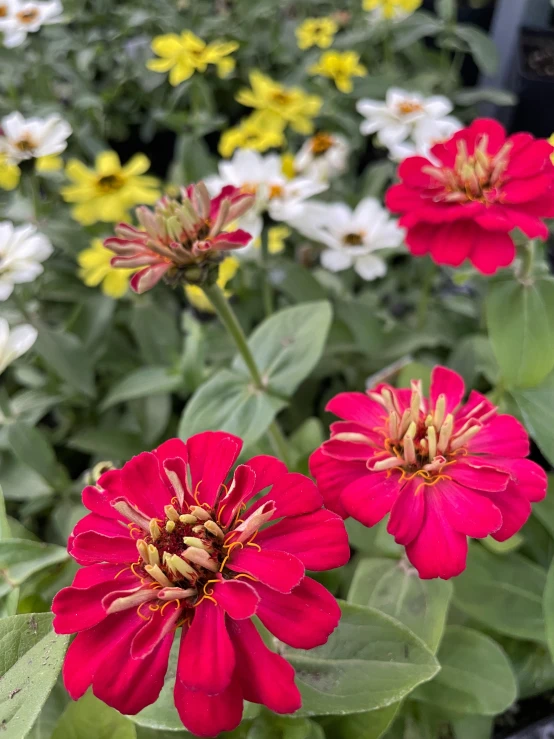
[197, 297]
[276, 237]
[259, 131]
[9, 174]
[316, 32]
[392, 9]
[107, 192]
[96, 269]
[287, 165]
[289, 104]
[186, 54]
[50, 163]
[340, 66]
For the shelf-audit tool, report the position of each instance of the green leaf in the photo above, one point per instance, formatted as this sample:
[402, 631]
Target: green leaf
[370, 661]
[4, 523]
[472, 727]
[162, 715]
[520, 320]
[229, 402]
[109, 444]
[20, 482]
[503, 592]
[145, 381]
[270, 726]
[544, 510]
[532, 665]
[21, 558]
[367, 725]
[288, 345]
[537, 409]
[90, 718]
[395, 589]
[416, 27]
[31, 657]
[446, 10]
[297, 282]
[32, 448]
[482, 47]
[156, 332]
[475, 675]
[66, 357]
[474, 95]
[548, 609]
[473, 356]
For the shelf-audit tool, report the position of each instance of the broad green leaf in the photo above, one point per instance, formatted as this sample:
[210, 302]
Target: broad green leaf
[288, 345]
[520, 320]
[229, 402]
[503, 547]
[473, 356]
[475, 675]
[418, 26]
[548, 609]
[32, 448]
[107, 443]
[415, 371]
[21, 558]
[370, 661]
[537, 409]
[20, 482]
[367, 725]
[162, 715]
[532, 665]
[544, 510]
[94, 320]
[271, 726]
[482, 47]
[361, 537]
[446, 10]
[395, 589]
[145, 381]
[156, 332]
[50, 713]
[31, 656]
[504, 592]
[297, 282]
[475, 95]
[66, 356]
[90, 718]
[192, 360]
[4, 523]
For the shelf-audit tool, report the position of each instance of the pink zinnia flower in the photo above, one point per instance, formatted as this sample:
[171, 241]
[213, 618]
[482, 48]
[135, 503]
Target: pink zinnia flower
[181, 240]
[443, 469]
[477, 187]
[176, 541]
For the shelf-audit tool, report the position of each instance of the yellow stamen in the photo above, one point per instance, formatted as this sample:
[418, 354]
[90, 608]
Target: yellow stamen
[155, 530]
[170, 527]
[171, 513]
[155, 572]
[192, 541]
[153, 555]
[214, 529]
[200, 513]
[445, 434]
[440, 410]
[432, 440]
[187, 518]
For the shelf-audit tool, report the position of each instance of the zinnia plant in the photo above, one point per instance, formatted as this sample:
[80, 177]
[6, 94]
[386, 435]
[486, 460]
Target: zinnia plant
[177, 542]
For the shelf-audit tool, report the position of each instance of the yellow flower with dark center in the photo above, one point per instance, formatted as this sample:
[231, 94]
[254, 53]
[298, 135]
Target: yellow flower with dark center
[183, 55]
[9, 174]
[391, 9]
[291, 105]
[95, 269]
[316, 32]
[340, 66]
[106, 192]
[259, 131]
[197, 297]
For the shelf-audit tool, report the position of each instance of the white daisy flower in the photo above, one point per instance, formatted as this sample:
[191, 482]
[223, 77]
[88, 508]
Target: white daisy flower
[14, 343]
[401, 115]
[20, 17]
[351, 236]
[32, 138]
[427, 134]
[322, 156]
[22, 249]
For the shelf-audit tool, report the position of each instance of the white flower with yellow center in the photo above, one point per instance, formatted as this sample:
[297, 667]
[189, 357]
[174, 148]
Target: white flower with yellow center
[14, 343]
[351, 236]
[33, 138]
[322, 156]
[22, 249]
[401, 115]
[20, 17]
[427, 134]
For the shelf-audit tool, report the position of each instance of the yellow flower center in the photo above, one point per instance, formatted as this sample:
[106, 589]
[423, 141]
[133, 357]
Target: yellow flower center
[3, 11]
[275, 191]
[26, 144]
[249, 189]
[281, 98]
[321, 143]
[353, 239]
[407, 107]
[27, 16]
[110, 183]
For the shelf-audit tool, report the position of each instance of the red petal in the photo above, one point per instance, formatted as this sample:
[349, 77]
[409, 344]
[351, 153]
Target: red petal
[148, 277]
[407, 512]
[446, 382]
[332, 476]
[208, 715]
[501, 436]
[237, 598]
[201, 449]
[277, 569]
[370, 498]
[90, 547]
[358, 407]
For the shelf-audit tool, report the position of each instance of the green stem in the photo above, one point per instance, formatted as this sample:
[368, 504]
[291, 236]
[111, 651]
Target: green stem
[32, 189]
[423, 304]
[5, 406]
[266, 287]
[229, 319]
[527, 260]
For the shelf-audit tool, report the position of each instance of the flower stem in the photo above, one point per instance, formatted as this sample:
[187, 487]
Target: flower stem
[423, 304]
[527, 261]
[266, 287]
[5, 406]
[229, 319]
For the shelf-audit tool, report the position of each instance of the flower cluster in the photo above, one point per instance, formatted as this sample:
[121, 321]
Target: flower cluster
[182, 240]
[20, 17]
[176, 541]
[445, 470]
[390, 10]
[22, 249]
[183, 55]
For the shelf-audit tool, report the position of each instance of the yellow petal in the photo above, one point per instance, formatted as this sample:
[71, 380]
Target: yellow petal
[181, 71]
[107, 163]
[167, 46]
[116, 283]
[225, 67]
[138, 164]
[160, 65]
[50, 163]
[79, 173]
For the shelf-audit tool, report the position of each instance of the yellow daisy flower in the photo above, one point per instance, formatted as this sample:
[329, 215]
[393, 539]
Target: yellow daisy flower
[106, 192]
[258, 131]
[316, 32]
[186, 54]
[287, 165]
[9, 174]
[392, 9]
[276, 238]
[97, 270]
[289, 104]
[50, 163]
[340, 66]
[197, 297]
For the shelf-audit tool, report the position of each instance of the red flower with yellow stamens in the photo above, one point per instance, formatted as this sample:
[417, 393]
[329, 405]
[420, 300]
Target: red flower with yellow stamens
[443, 469]
[175, 541]
[477, 187]
[182, 240]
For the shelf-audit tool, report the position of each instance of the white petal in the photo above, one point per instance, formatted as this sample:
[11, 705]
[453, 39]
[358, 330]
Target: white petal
[335, 260]
[370, 267]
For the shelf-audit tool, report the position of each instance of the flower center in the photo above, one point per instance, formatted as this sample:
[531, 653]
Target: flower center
[3, 11]
[407, 107]
[353, 239]
[26, 144]
[249, 188]
[27, 16]
[321, 143]
[281, 97]
[474, 177]
[276, 191]
[110, 183]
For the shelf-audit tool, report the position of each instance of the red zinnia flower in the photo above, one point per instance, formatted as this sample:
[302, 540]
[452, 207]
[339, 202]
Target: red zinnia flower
[464, 200]
[180, 239]
[445, 470]
[171, 543]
